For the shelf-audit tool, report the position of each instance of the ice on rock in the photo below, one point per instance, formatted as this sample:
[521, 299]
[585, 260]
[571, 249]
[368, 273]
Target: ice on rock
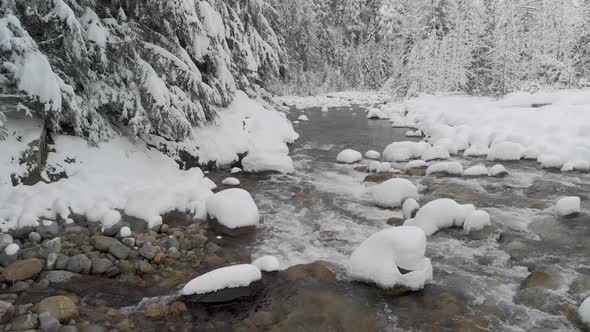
[12, 249]
[406, 150]
[476, 221]
[439, 214]
[568, 206]
[375, 113]
[303, 117]
[505, 151]
[372, 154]
[550, 161]
[435, 152]
[267, 263]
[233, 208]
[392, 193]
[477, 170]
[498, 170]
[577, 165]
[231, 182]
[584, 312]
[349, 156]
[409, 208]
[378, 259]
[449, 168]
[234, 276]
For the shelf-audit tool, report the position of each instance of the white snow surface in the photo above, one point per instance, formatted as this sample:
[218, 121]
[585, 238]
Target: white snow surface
[435, 152]
[392, 193]
[584, 311]
[349, 156]
[377, 259]
[372, 154]
[439, 214]
[568, 205]
[497, 170]
[12, 249]
[233, 208]
[445, 167]
[476, 221]
[267, 263]
[477, 170]
[233, 276]
[303, 117]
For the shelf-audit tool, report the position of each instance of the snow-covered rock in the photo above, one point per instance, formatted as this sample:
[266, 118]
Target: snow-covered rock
[498, 171]
[409, 207]
[435, 152]
[505, 151]
[439, 214]
[233, 208]
[372, 154]
[550, 161]
[378, 259]
[415, 133]
[267, 263]
[447, 168]
[568, 206]
[406, 150]
[11, 249]
[383, 167]
[393, 192]
[477, 170]
[375, 113]
[226, 277]
[303, 117]
[373, 166]
[235, 170]
[576, 165]
[584, 311]
[231, 182]
[476, 150]
[349, 156]
[125, 232]
[476, 221]
[416, 164]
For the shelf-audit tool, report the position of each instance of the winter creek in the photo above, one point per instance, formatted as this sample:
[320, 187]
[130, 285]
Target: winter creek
[320, 212]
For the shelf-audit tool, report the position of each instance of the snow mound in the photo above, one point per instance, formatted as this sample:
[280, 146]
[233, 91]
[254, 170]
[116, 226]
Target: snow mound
[439, 214]
[416, 133]
[448, 168]
[267, 263]
[476, 221]
[372, 154]
[373, 166]
[498, 170]
[584, 311]
[231, 182]
[416, 164]
[550, 161]
[12, 249]
[233, 208]
[234, 276]
[393, 192]
[125, 232]
[349, 156]
[406, 150]
[568, 206]
[505, 151]
[576, 165]
[409, 207]
[375, 113]
[303, 117]
[378, 259]
[383, 167]
[476, 150]
[235, 170]
[478, 170]
[435, 152]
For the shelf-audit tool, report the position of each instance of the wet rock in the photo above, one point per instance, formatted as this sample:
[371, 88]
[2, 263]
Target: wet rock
[149, 251]
[362, 169]
[155, 310]
[129, 241]
[94, 328]
[110, 245]
[164, 228]
[76, 229]
[23, 309]
[395, 221]
[60, 276]
[60, 307]
[5, 240]
[149, 237]
[19, 286]
[126, 267]
[62, 262]
[34, 237]
[320, 270]
[379, 178]
[47, 229]
[68, 328]
[214, 248]
[580, 287]
[113, 230]
[23, 269]
[540, 279]
[262, 319]
[538, 206]
[101, 265]
[51, 261]
[79, 264]
[51, 246]
[24, 323]
[160, 258]
[173, 253]
[177, 308]
[173, 242]
[540, 299]
[484, 233]
[10, 298]
[49, 323]
[6, 312]
[227, 294]
[416, 171]
[144, 267]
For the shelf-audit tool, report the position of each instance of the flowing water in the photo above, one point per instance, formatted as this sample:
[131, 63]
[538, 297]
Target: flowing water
[321, 212]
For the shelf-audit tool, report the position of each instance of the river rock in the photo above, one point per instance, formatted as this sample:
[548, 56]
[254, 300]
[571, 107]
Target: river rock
[227, 294]
[319, 270]
[539, 298]
[94, 328]
[101, 265]
[10, 298]
[395, 221]
[47, 229]
[5, 240]
[154, 310]
[416, 171]
[173, 253]
[62, 262]
[149, 251]
[144, 267]
[68, 328]
[6, 312]
[262, 319]
[24, 323]
[129, 241]
[111, 245]
[60, 307]
[79, 264]
[379, 178]
[23, 269]
[51, 246]
[113, 230]
[540, 279]
[580, 287]
[60, 276]
[48, 322]
[34, 237]
[51, 260]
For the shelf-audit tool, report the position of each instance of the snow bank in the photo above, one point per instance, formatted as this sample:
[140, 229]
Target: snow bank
[584, 311]
[267, 263]
[372, 154]
[233, 208]
[402, 151]
[379, 258]
[439, 214]
[349, 156]
[334, 99]
[478, 170]
[509, 128]
[392, 193]
[226, 277]
[568, 205]
[476, 221]
[448, 168]
[375, 113]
